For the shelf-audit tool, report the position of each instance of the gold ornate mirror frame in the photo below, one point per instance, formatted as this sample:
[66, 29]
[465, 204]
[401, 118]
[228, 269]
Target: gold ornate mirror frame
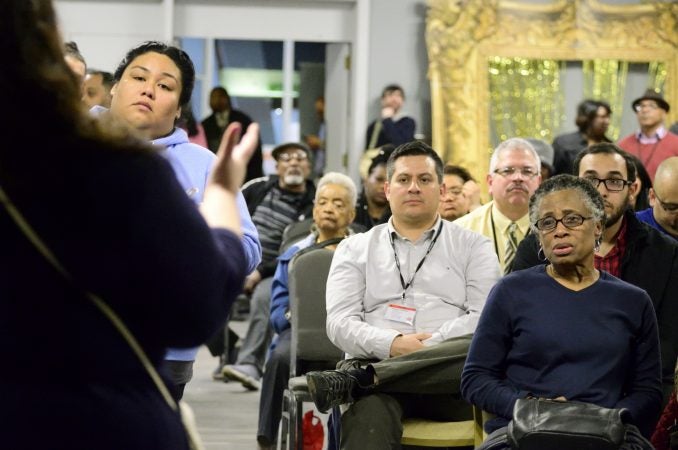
[462, 35]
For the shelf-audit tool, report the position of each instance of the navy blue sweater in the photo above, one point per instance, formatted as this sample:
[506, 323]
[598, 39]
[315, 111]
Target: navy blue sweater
[124, 228]
[597, 345]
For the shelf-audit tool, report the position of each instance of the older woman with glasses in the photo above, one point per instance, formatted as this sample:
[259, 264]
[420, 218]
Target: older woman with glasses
[576, 333]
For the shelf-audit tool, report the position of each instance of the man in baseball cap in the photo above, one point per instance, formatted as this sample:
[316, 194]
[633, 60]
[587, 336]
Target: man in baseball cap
[273, 202]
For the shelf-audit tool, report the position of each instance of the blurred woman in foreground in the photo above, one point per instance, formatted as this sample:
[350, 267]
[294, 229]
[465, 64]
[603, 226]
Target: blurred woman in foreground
[108, 207]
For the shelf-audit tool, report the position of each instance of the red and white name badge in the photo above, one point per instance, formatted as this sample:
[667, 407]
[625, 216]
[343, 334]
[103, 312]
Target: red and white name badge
[400, 313]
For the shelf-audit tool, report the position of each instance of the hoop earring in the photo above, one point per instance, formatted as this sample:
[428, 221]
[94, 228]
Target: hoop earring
[541, 252]
[596, 245]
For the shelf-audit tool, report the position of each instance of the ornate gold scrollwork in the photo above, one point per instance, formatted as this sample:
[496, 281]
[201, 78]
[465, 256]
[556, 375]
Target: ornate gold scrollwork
[462, 35]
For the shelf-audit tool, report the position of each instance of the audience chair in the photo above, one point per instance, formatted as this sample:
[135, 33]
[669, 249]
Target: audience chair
[429, 433]
[311, 349]
[480, 418]
[295, 232]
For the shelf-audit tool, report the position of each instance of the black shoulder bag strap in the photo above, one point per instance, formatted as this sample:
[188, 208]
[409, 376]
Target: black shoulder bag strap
[187, 415]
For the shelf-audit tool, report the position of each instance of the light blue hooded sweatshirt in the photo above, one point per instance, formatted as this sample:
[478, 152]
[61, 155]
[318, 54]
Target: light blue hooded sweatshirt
[192, 165]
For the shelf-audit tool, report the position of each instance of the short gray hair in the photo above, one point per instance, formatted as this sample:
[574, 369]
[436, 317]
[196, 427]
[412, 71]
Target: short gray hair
[589, 195]
[341, 180]
[513, 144]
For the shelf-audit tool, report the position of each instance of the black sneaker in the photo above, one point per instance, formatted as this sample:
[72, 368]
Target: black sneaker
[330, 388]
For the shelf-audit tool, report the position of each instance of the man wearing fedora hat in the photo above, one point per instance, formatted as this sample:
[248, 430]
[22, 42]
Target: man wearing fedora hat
[653, 143]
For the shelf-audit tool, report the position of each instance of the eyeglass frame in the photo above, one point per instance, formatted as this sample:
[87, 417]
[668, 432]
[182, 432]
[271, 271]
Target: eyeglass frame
[299, 155]
[640, 106]
[454, 191]
[665, 204]
[581, 220]
[512, 171]
[605, 180]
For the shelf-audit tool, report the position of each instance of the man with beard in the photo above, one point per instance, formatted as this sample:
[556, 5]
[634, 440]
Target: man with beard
[515, 173]
[593, 120]
[273, 202]
[629, 249]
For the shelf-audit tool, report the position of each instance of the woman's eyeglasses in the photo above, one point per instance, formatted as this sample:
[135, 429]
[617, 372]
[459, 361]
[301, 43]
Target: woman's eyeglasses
[570, 221]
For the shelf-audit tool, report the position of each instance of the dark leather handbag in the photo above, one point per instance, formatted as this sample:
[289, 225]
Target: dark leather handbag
[673, 437]
[540, 424]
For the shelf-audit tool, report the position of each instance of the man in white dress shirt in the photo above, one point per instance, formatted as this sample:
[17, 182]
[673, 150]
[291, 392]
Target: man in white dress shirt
[402, 301]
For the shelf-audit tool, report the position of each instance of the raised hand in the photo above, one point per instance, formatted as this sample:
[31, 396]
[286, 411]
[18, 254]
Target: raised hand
[232, 157]
[219, 206]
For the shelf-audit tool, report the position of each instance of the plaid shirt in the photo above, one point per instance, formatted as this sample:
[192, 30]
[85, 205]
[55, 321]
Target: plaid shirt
[611, 263]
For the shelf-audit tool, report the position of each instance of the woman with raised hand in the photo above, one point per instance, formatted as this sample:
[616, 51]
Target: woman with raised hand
[110, 210]
[153, 83]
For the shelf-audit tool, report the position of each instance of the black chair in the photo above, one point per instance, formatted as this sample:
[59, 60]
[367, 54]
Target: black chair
[311, 349]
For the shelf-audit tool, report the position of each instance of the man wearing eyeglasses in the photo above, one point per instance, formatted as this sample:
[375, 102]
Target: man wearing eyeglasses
[629, 249]
[453, 203]
[653, 143]
[515, 173]
[273, 202]
[663, 215]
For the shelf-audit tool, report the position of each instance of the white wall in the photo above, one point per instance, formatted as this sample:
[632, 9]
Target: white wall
[105, 31]
[398, 55]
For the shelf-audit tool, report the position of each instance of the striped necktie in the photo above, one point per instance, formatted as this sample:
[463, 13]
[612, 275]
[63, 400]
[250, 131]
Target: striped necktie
[511, 246]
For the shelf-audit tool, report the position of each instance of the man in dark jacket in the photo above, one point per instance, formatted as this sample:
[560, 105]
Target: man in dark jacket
[274, 202]
[630, 250]
[391, 127]
[215, 124]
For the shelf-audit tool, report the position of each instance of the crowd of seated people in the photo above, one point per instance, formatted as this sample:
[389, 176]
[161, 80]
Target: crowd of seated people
[438, 301]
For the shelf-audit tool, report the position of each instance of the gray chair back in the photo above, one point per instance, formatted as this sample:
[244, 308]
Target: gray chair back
[310, 346]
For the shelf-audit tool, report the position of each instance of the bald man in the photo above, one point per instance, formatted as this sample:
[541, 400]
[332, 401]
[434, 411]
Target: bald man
[663, 214]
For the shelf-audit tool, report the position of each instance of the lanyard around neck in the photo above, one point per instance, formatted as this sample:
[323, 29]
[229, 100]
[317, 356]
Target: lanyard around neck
[421, 263]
